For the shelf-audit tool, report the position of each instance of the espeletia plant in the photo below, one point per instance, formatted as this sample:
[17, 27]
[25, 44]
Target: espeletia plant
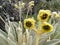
[44, 30]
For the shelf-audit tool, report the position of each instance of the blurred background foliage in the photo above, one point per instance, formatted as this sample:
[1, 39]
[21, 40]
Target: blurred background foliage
[53, 5]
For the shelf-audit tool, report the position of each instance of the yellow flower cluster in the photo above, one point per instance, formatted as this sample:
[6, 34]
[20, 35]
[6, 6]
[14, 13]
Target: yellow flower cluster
[46, 27]
[43, 25]
[29, 23]
[43, 15]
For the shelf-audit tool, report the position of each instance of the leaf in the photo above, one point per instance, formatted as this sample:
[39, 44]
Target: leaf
[3, 40]
[56, 34]
[3, 33]
[11, 42]
[12, 32]
[52, 42]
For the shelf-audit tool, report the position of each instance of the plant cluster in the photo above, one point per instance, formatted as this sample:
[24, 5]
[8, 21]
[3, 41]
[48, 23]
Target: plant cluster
[44, 30]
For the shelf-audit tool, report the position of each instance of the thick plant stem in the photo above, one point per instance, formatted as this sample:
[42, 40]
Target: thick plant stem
[27, 35]
[19, 32]
[24, 39]
[37, 39]
[39, 25]
[19, 38]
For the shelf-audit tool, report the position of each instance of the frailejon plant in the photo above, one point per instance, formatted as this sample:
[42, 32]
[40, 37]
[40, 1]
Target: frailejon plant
[45, 30]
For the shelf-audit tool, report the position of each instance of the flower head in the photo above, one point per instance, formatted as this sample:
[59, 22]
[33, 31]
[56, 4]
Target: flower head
[46, 27]
[43, 15]
[55, 15]
[29, 23]
[23, 4]
[16, 6]
[31, 3]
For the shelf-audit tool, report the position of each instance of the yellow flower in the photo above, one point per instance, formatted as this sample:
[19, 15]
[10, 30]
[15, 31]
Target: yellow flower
[49, 12]
[43, 15]
[29, 23]
[46, 27]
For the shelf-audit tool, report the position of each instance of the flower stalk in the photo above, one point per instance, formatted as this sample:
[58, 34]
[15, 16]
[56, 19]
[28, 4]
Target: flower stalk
[37, 39]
